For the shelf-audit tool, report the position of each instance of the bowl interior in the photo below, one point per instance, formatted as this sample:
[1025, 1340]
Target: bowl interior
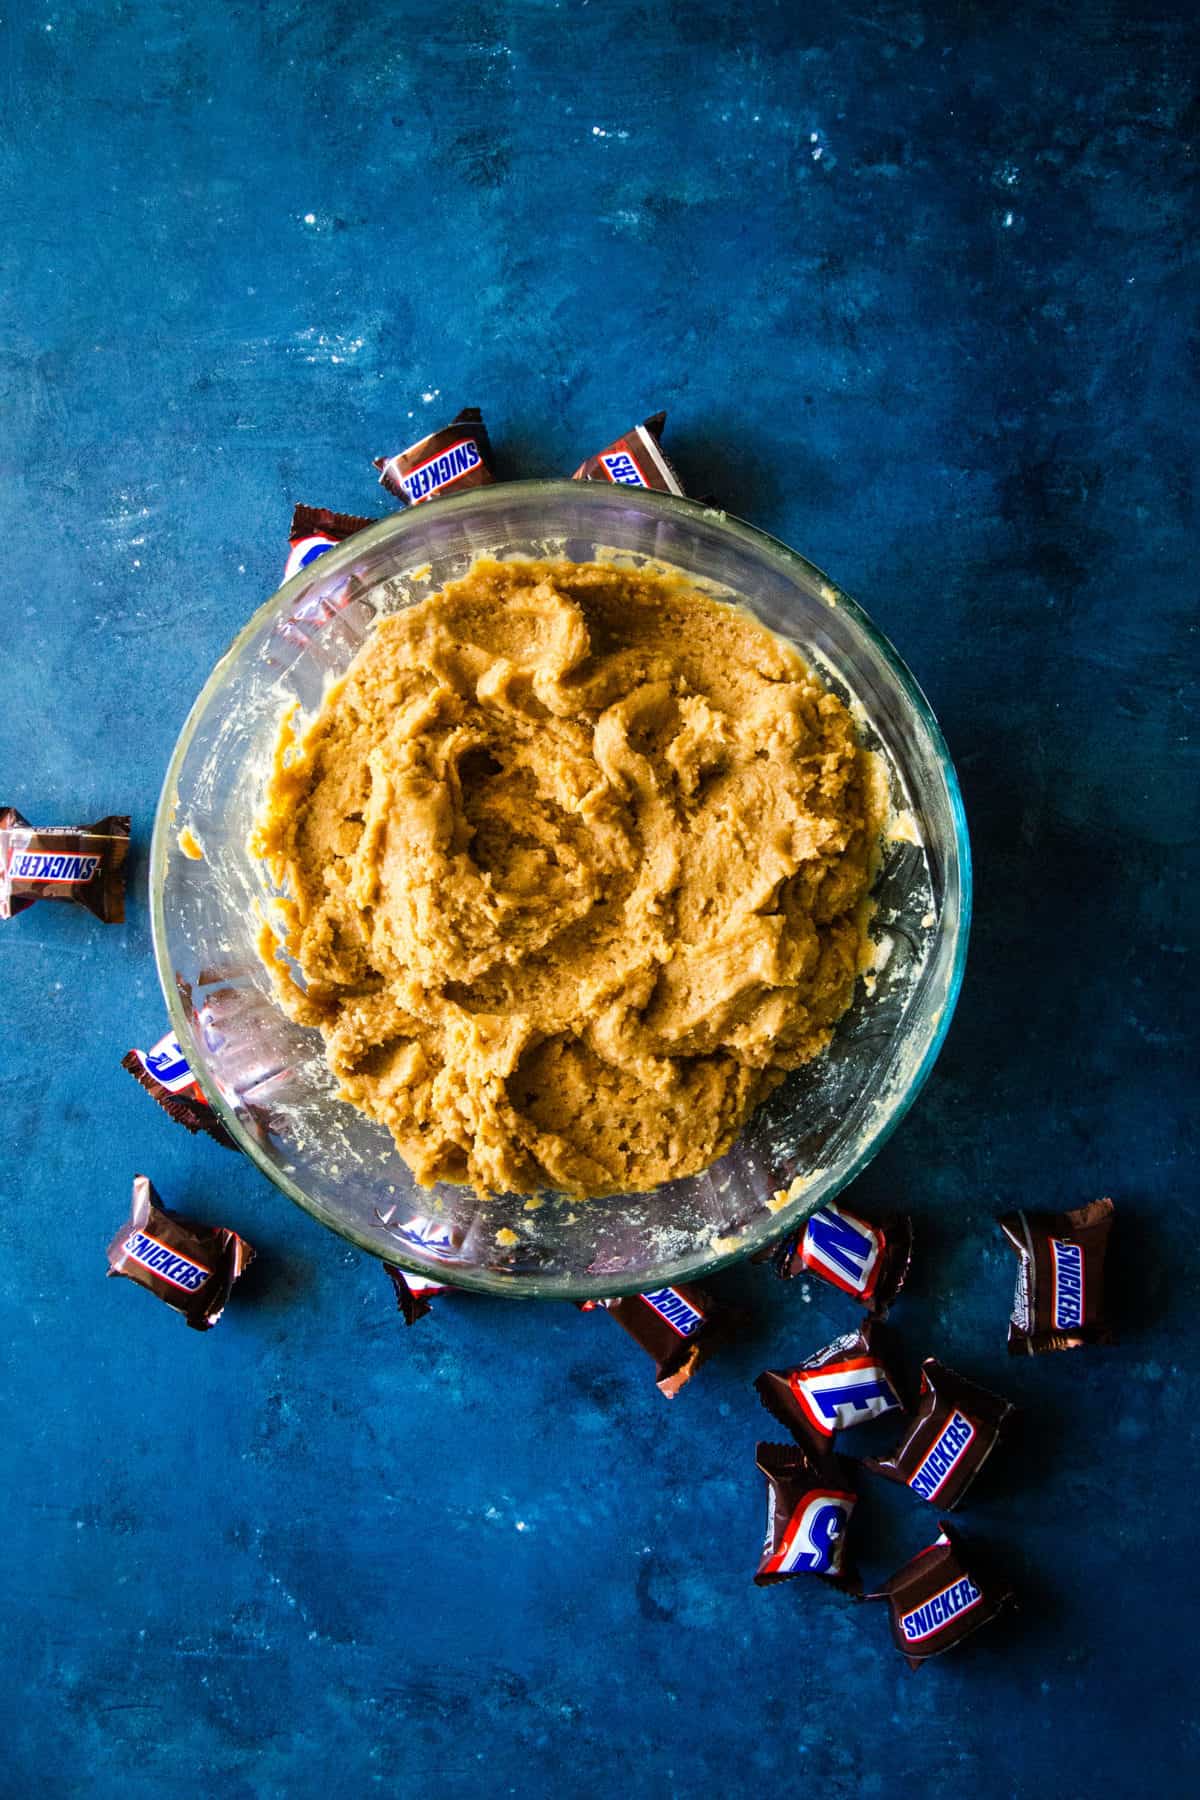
[268, 1077]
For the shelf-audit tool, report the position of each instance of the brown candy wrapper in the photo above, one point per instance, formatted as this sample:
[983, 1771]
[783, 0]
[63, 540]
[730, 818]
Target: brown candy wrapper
[1060, 1300]
[249, 1039]
[679, 1327]
[941, 1597]
[315, 530]
[634, 460]
[437, 1238]
[840, 1386]
[84, 864]
[809, 1503]
[867, 1261]
[167, 1077]
[956, 1428]
[190, 1267]
[456, 457]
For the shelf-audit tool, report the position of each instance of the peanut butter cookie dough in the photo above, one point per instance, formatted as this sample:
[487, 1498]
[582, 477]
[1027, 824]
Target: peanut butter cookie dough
[576, 862]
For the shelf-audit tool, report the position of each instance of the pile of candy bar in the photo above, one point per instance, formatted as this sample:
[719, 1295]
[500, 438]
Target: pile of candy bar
[951, 1428]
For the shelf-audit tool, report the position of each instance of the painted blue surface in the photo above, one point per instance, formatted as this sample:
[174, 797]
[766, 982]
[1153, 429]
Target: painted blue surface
[916, 284]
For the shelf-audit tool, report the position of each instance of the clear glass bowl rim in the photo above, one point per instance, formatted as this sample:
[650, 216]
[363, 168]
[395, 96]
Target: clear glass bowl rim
[394, 528]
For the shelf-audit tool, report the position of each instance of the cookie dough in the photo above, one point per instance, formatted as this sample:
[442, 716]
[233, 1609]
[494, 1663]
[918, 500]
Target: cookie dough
[575, 863]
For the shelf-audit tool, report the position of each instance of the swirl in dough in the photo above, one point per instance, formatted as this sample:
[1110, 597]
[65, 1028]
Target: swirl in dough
[576, 862]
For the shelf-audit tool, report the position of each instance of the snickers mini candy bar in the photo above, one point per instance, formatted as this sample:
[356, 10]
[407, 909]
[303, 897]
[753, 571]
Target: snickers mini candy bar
[842, 1385]
[314, 531]
[456, 457]
[809, 1503]
[955, 1429]
[167, 1077]
[868, 1262]
[679, 1327]
[191, 1267]
[81, 863]
[940, 1598]
[1060, 1302]
[635, 460]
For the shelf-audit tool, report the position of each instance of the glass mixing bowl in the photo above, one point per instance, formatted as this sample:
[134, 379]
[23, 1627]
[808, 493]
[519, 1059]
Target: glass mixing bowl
[268, 1077]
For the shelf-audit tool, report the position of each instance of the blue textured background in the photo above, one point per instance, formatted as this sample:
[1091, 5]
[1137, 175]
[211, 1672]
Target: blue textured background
[918, 285]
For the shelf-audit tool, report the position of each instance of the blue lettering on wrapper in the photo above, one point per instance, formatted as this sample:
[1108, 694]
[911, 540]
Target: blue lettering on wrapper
[440, 470]
[678, 1312]
[180, 1271]
[821, 1532]
[167, 1063]
[943, 1457]
[939, 1609]
[856, 1395]
[40, 865]
[620, 467]
[1068, 1284]
[435, 1237]
[305, 551]
[837, 1243]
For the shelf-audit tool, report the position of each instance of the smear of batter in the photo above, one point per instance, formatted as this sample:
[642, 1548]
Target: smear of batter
[576, 862]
